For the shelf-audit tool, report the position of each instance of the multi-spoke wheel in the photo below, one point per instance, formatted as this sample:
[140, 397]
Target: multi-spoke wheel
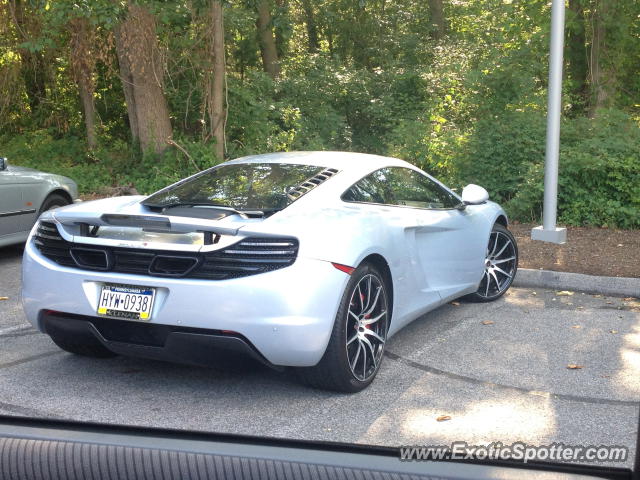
[366, 327]
[356, 347]
[500, 265]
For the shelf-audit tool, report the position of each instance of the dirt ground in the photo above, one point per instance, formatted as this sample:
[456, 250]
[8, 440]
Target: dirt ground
[594, 251]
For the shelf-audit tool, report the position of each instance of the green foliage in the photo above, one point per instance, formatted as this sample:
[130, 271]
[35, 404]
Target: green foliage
[501, 149]
[599, 179]
[469, 107]
[66, 155]
[117, 165]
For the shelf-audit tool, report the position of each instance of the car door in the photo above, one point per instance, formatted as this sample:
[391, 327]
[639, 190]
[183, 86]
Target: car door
[16, 215]
[413, 293]
[448, 248]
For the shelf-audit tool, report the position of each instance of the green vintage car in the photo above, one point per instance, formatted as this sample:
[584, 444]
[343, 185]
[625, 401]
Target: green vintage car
[24, 194]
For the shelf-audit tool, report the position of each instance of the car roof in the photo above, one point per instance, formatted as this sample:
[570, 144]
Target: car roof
[345, 161]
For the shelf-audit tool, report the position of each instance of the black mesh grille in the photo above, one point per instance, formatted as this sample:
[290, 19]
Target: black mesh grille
[52, 245]
[248, 257]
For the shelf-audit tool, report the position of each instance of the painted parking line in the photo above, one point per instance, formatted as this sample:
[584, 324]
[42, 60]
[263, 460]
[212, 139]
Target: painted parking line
[30, 359]
[15, 328]
[537, 393]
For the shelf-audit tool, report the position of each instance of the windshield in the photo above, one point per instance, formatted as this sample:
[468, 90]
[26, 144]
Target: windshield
[255, 186]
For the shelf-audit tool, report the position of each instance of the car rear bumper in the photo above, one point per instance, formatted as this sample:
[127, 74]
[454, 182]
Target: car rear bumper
[285, 316]
[196, 346]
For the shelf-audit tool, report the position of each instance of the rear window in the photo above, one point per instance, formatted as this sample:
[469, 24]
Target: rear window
[243, 186]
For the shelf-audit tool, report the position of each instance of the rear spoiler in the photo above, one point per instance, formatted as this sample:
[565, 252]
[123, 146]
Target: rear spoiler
[165, 223]
[150, 223]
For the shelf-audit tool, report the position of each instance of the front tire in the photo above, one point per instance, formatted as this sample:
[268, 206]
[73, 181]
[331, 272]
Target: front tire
[356, 347]
[501, 266]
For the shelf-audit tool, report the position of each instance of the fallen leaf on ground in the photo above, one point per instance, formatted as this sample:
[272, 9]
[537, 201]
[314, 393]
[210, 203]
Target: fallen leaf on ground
[455, 304]
[613, 331]
[487, 322]
[597, 295]
[629, 299]
[576, 326]
[573, 366]
[4, 298]
[443, 418]
[564, 293]
[609, 303]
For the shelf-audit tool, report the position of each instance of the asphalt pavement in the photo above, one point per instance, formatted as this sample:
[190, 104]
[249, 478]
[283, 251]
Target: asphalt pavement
[498, 370]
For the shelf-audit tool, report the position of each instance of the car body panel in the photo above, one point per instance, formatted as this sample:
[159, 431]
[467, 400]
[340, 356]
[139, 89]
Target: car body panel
[287, 320]
[433, 255]
[22, 193]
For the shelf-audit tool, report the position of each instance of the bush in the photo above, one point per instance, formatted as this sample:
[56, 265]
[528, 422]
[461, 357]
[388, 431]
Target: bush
[502, 150]
[105, 167]
[66, 156]
[599, 175]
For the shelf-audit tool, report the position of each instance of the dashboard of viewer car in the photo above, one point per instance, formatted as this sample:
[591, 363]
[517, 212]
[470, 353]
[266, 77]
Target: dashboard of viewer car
[54, 449]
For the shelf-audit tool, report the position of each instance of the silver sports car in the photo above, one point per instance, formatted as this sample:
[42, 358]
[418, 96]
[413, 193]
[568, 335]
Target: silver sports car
[26, 193]
[310, 260]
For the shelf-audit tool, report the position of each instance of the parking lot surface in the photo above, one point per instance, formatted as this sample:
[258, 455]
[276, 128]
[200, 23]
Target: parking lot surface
[498, 370]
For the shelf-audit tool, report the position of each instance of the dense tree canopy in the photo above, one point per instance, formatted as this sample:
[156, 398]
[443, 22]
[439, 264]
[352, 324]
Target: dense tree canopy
[145, 92]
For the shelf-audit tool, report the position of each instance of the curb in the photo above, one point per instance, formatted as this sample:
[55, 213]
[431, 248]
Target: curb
[615, 286]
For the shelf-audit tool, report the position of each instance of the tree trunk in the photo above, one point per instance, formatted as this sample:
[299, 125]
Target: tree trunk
[32, 64]
[576, 48]
[438, 22]
[312, 29]
[82, 67]
[214, 88]
[267, 41]
[127, 83]
[360, 36]
[281, 30]
[602, 78]
[142, 79]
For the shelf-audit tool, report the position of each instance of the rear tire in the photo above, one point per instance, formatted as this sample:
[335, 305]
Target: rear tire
[356, 347]
[501, 266]
[86, 348]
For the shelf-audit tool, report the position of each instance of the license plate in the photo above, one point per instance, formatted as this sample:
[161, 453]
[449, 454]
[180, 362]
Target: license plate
[126, 301]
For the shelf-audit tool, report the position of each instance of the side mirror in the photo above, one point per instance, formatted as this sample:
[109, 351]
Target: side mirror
[474, 195]
[3, 163]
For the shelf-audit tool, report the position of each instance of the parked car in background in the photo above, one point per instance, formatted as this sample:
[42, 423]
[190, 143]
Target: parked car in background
[24, 194]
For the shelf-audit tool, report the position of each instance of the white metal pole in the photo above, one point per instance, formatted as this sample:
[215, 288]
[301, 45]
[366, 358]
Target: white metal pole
[549, 232]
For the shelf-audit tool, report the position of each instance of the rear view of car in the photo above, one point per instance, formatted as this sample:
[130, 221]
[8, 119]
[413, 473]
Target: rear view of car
[310, 260]
[175, 277]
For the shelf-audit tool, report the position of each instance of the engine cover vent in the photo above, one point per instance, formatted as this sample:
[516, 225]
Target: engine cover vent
[296, 192]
